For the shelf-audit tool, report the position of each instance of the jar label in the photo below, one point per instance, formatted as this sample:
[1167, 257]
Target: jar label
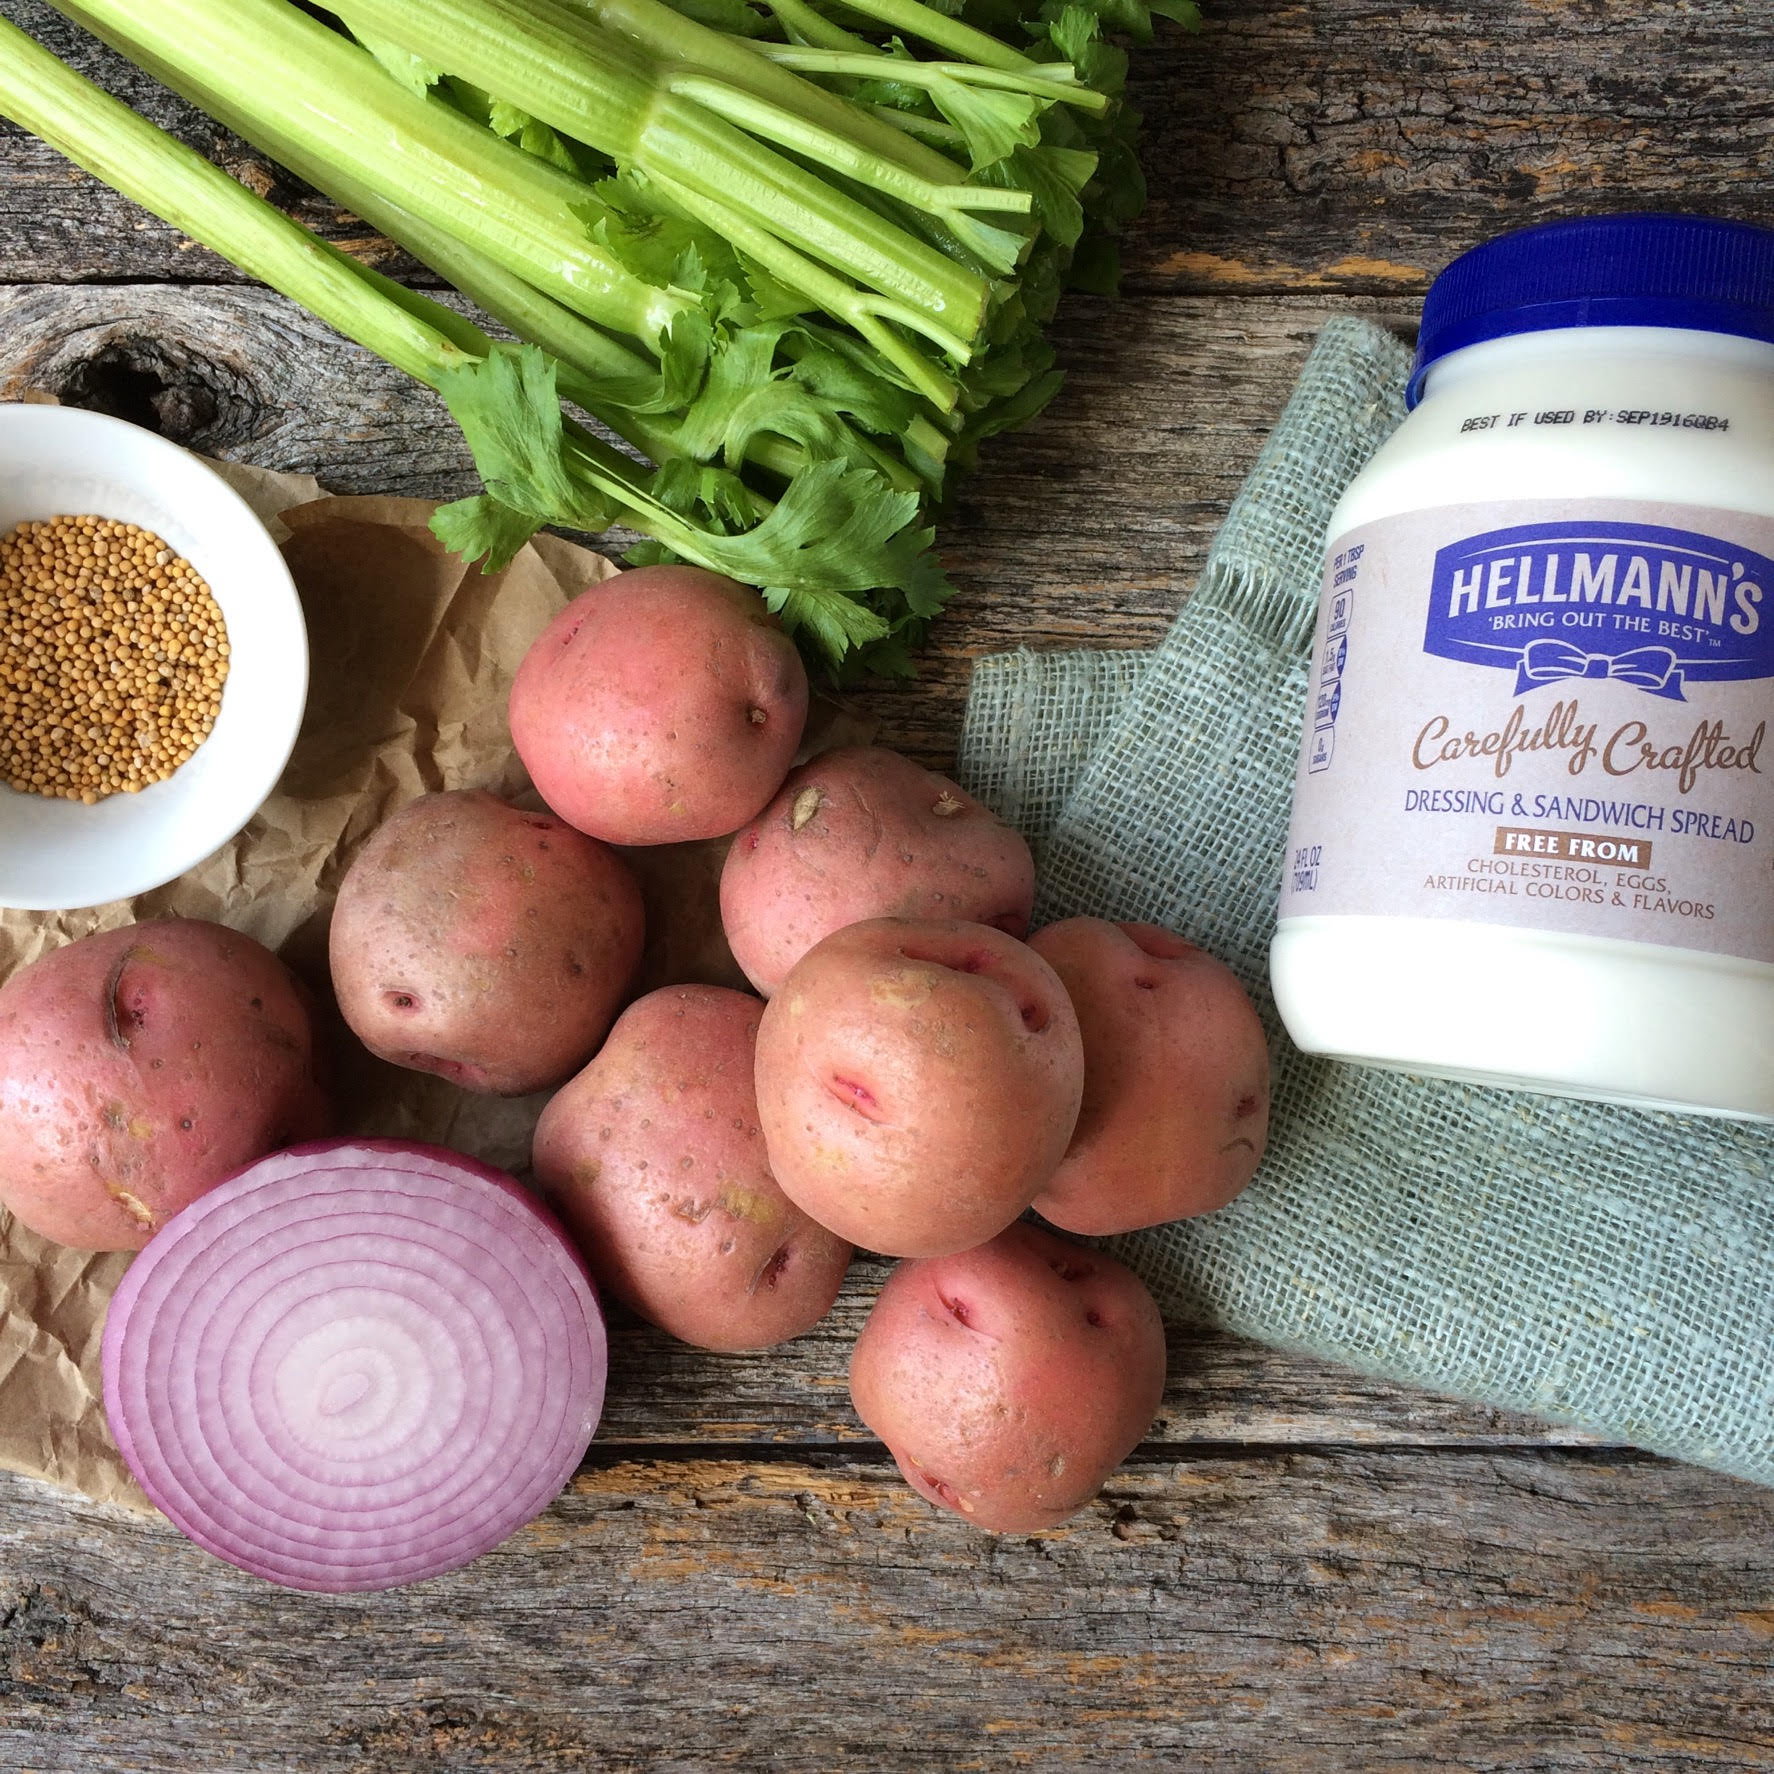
[1551, 715]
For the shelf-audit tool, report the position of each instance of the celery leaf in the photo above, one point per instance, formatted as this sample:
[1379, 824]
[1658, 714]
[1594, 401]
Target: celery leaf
[412, 71]
[483, 529]
[732, 16]
[1053, 177]
[509, 410]
[845, 374]
[993, 123]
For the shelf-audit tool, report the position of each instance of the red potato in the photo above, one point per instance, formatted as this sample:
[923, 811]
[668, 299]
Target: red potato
[654, 1159]
[662, 705]
[1009, 1381]
[917, 1082]
[141, 1066]
[1176, 1079]
[486, 944]
[865, 833]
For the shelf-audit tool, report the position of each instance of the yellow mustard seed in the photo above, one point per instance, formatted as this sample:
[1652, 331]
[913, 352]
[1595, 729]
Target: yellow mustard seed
[91, 625]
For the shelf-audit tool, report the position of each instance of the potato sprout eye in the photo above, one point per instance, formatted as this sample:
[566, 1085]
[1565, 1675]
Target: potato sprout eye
[772, 1270]
[856, 1095]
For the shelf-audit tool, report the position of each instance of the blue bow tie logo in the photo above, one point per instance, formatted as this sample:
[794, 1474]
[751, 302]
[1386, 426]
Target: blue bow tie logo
[1551, 661]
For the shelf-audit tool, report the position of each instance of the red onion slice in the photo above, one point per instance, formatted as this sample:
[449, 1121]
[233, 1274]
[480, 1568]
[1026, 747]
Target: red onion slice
[355, 1364]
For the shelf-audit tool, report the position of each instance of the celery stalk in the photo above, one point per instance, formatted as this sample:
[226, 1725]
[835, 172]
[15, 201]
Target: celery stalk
[316, 88]
[926, 129]
[800, 22]
[918, 20]
[111, 142]
[834, 531]
[840, 155]
[598, 87]
[1048, 80]
[672, 38]
[597, 373]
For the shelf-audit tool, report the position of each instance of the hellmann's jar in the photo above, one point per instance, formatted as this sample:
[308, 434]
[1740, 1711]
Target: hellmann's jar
[1533, 826]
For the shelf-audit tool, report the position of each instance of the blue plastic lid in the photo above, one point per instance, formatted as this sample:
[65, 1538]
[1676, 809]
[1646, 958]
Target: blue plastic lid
[1633, 270]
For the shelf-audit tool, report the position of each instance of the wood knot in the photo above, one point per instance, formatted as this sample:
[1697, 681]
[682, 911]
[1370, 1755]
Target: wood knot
[158, 382]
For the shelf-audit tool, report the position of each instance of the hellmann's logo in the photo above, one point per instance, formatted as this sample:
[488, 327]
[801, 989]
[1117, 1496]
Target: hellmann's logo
[1639, 604]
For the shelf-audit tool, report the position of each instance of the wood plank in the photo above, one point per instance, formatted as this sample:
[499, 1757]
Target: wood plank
[1301, 1569]
[235, 372]
[1290, 146]
[1345, 145]
[1372, 1612]
[1168, 401]
[1221, 1390]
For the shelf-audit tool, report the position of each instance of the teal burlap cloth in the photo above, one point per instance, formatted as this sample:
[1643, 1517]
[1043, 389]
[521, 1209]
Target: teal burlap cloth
[1611, 1268]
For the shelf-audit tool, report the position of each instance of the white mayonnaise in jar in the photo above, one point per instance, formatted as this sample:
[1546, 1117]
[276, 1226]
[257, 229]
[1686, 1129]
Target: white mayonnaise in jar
[1533, 824]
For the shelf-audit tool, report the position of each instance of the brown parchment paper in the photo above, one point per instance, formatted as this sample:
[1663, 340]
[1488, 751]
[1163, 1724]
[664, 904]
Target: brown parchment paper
[412, 656]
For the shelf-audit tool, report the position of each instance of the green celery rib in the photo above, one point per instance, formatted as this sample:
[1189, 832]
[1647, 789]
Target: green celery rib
[131, 155]
[917, 20]
[602, 89]
[111, 142]
[1045, 82]
[866, 314]
[839, 155]
[927, 129]
[675, 39]
[814, 28]
[587, 356]
[589, 359]
[281, 67]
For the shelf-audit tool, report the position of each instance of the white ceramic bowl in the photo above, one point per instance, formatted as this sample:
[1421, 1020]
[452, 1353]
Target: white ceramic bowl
[61, 461]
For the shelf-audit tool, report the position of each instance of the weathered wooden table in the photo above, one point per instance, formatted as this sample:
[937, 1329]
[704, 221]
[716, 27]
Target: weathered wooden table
[1299, 1569]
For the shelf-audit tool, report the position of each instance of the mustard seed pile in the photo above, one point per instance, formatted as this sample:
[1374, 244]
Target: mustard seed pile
[112, 659]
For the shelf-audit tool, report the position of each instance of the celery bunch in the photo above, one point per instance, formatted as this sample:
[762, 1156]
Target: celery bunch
[796, 257]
